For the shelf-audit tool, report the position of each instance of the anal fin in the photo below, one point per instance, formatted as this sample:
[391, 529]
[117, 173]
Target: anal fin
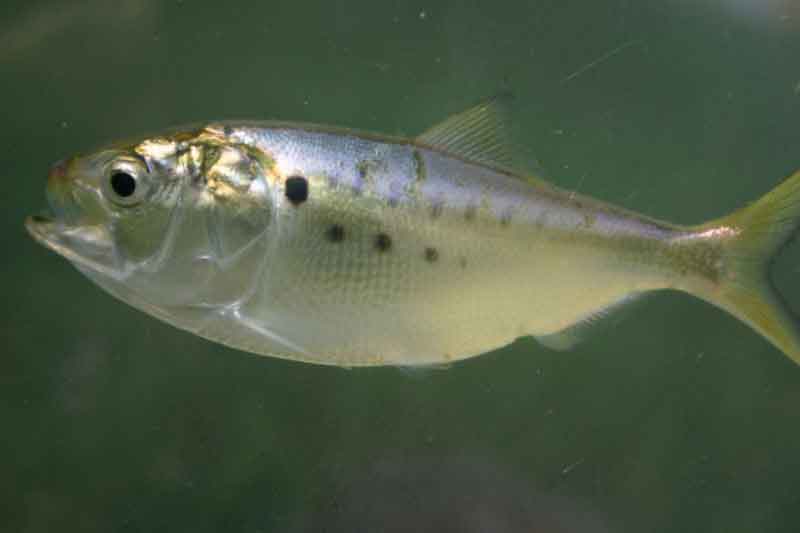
[607, 316]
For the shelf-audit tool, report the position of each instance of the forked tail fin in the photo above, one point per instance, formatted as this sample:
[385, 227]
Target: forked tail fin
[750, 239]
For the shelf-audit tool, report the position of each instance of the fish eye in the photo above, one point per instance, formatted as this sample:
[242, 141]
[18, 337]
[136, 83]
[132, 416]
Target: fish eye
[125, 183]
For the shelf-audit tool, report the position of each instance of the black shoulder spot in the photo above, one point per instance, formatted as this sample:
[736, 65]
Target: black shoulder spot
[297, 189]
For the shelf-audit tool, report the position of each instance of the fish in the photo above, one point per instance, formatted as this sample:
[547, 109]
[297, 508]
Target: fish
[333, 246]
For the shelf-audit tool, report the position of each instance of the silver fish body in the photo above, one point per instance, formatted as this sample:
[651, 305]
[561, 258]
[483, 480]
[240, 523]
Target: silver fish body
[406, 255]
[337, 247]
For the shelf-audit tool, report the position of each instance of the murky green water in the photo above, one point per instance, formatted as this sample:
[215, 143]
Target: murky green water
[679, 419]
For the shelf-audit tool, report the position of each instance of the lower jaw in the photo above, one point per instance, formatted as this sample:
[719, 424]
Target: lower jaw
[88, 247]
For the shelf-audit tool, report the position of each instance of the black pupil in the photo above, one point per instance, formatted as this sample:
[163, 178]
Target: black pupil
[123, 184]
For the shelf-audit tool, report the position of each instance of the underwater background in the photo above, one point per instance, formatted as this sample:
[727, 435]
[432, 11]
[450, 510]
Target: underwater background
[676, 419]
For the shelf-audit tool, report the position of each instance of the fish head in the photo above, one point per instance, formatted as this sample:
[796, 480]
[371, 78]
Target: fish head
[172, 220]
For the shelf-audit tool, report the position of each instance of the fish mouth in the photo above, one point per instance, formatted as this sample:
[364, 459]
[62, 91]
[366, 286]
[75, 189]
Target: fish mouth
[88, 247]
[42, 228]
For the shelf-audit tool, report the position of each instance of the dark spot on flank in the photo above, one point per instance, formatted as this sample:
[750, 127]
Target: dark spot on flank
[362, 169]
[431, 255]
[419, 167]
[437, 209]
[335, 233]
[383, 242]
[470, 212]
[297, 189]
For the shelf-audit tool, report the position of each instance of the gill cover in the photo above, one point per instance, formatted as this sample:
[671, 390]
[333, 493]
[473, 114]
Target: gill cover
[198, 240]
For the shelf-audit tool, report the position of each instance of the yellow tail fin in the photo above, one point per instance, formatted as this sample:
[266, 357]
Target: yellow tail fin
[750, 239]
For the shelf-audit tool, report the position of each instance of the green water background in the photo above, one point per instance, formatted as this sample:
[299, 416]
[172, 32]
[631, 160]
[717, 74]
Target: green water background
[678, 419]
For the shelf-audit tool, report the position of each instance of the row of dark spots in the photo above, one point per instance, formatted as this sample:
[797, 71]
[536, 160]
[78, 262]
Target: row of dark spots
[437, 209]
[470, 214]
[297, 193]
[382, 242]
[336, 234]
[471, 211]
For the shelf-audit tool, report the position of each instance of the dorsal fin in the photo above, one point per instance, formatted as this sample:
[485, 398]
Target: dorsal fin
[479, 133]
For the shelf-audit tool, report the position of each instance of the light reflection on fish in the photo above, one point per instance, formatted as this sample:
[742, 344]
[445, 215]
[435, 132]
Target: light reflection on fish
[339, 247]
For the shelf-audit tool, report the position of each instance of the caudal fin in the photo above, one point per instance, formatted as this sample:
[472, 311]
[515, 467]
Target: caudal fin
[750, 239]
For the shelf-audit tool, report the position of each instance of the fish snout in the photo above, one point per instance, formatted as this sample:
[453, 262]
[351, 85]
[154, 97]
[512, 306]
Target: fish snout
[58, 187]
[58, 172]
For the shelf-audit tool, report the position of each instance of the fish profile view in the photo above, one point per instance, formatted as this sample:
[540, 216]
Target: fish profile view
[339, 247]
